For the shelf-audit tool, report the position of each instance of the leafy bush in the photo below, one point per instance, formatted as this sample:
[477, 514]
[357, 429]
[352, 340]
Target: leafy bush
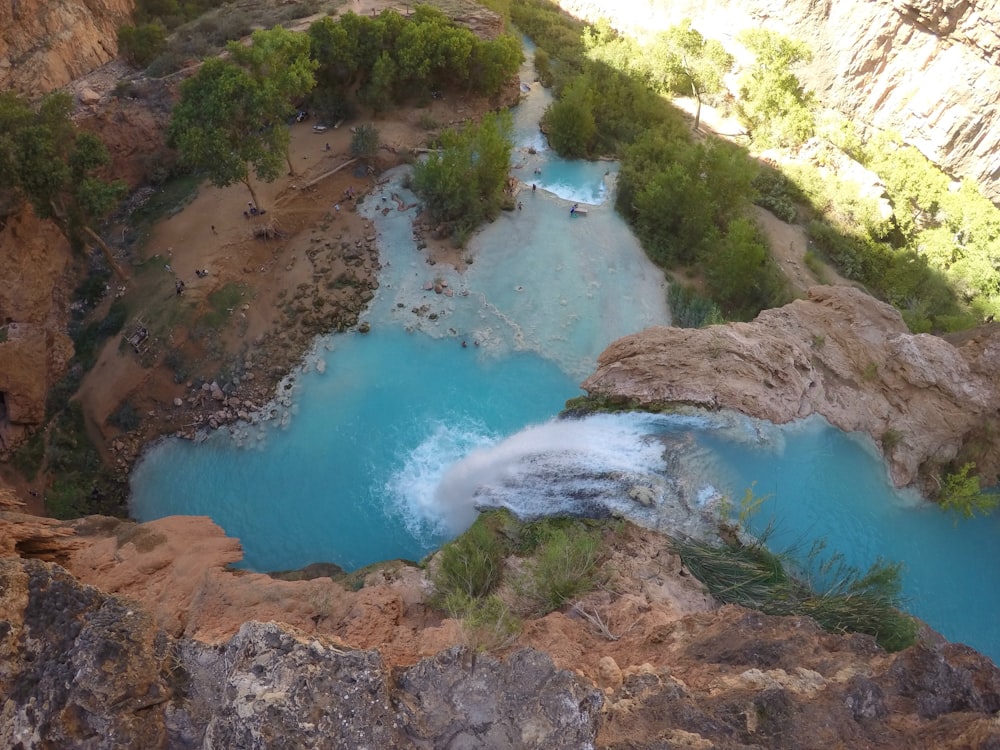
[464, 183]
[126, 418]
[689, 309]
[140, 45]
[960, 494]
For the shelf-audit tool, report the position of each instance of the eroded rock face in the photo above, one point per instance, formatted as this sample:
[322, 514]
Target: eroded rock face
[923, 68]
[841, 354]
[81, 669]
[34, 347]
[45, 45]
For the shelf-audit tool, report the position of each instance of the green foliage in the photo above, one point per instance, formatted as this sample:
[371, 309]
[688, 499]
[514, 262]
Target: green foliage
[543, 68]
[222, 126]
[570, 123]
[774, 191]
[960, 494]
[126, 418]
[30, 455]
[140, 45]
[742, 276]
[772, 103]
[47, 161]
[171, 13]
[464, 182]
[563, 566]
[221, 304]
[472, 565]
[752, 576]
[682, 61]
[390, 58]
[689, 309]
[365, 142]
[81, 484]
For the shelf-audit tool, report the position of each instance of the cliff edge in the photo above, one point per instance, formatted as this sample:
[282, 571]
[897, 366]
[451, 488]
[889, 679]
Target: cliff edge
[166, 661]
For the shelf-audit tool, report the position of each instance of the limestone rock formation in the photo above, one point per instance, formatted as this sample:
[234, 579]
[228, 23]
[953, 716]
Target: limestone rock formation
[923, 68]
[82, 668]
[841, 354]
[46, 45]
[79, 668]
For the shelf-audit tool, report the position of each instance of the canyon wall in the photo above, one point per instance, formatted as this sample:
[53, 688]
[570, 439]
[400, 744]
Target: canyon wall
[926, 69]
[45, 45]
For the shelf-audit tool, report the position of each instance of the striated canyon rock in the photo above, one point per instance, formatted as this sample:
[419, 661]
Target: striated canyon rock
[45, 45]
[841, 354]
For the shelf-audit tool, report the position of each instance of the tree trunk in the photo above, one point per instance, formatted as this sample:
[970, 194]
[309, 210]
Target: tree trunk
[108, 255]
[288, 158]
[697, 98]
[253, 194]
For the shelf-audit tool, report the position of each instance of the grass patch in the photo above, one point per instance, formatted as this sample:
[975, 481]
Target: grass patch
[168, 200]
[221, 304]
[562, 567]
[754, 577]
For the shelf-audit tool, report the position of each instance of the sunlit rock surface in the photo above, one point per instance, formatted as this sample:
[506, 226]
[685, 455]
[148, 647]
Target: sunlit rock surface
[841, 354]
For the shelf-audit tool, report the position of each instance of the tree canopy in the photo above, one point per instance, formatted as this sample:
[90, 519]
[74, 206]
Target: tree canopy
[682, 61]
[772, 102]
[464, 182]
[44, 159]
[220, 127]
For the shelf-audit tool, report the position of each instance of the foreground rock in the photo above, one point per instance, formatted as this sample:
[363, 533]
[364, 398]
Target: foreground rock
[841, 354]
[82, 668]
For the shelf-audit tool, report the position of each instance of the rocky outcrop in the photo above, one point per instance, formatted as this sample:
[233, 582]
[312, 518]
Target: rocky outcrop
[923, 68]
[841, 354]
[45, 45]
[82, 668]
[79, 668]
[34, 348]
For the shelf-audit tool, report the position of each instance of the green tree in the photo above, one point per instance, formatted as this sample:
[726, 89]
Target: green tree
[47, 161]
[682, 61]
[772, 102]
[960, 493]
[570, 122]
[222, 126]
[278, 61]
[464, 182]
[365, 142]
[494, 63]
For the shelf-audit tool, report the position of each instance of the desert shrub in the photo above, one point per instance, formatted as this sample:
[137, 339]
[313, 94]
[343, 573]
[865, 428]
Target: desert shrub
[563, 566]
[472, 565]
[689, 309]
[140, 45]
[126, 417]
